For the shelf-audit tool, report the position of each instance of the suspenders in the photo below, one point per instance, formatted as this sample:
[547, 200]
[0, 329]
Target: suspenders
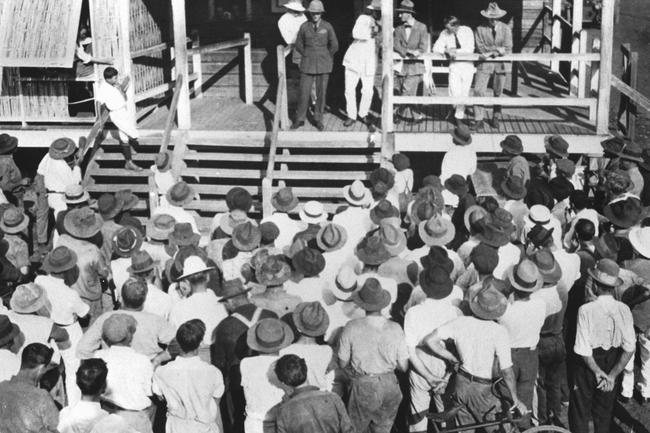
[252, 321]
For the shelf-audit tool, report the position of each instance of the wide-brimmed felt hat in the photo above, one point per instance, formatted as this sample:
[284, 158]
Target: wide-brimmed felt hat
[474, 213]
[128, 199]
[127, 220]
[493, 235]
[118, 327]
[624, 213]
[548, 267]
[269, 231]
[297, 245]
[180, 194]
[393, 237]
[331, 237]
[539, 214]
[75, 194]
[513, 187]
[556, 145]
[422, 210]
[539, 235]
[561, 187]
[437, 256]
[435, 282]
[400, 161]
[406, 6]
[313, 212]
[632, 151]
[28, 298]
[109, 205]
[493, 11]
[316, 7]
[126, 241]
[606, 273]
[232, 219]
[62, 148]
[357, 194]
[193, 265]
[308, 262]
[565, 167]
[640, 240]
[437, 231]
[273, 271]
[13, 220]
[284, 200]
[382, 176]
[233, 288]
[344, 284]
[82, 223]
[59, 260]
[461, 135]
[613, 145]
[372, 251]
[239, 198]
[141, 262]
[512, 144]
[269, 336]
[503, 219]
[525, 276]
[311, 319]
[294, 5]
[7, 144]
[488, 302]
[384, 209]
[456, 184]
[183, 234]
[159, 226]
[163, 161]
[485, 258]
[246, 237]
[371, 296]
[8, 330]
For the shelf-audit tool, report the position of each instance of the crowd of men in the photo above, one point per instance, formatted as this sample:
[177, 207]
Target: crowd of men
[312, 42]
[313, 322]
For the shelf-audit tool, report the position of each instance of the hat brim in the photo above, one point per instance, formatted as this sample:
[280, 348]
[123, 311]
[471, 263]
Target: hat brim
[150, 267]
[84, 197]
[516, 285]
[193, 240]
[50, 268]
[367, 196]
[55, 154]
[484, 314]
[312, 220]
[340, 294]
[317, 332]
[226, 227]
[397, 249]
[623, 223]
[156, 234]
[40, 303]
[15, 330]
[234, 295]
[510, 150]
[495, 16]
[384, 301]
[15, 229]
[408, 11]
[249, 245]
[200, 271]
[510, 193]
[285, 208]
[316, 11]
[470, 210]
[550, 149]
[251, 339]
[377, 220]
[441, 241]
[371, 259]
[89, 232]
[180, 203]
[135, 247]
[618, 280]
[637, 243]
[342, 241]
[13, 144]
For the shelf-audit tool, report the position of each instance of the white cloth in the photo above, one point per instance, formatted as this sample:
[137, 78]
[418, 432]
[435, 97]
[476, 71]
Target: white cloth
[9, 364]
[261, 389]
[308, 289]
[460, 160]
[644, 371]
[179, 214]
[570, 265]
[204, 306]
[318, 358]
[524, 321]
[509, 256]
[356, 221]
[352, 79]
[387, 284]
[158, 253]
[231, 268]
[115, 102]
[551, 298]
[478, 342]
[289, 24]
[191, 388]
[420, 320]
[164, 181]
[36, 329]
[57, 176]
[66, 303]
[360, 56]
[287, 226]
[339, 313]
[128, 384]
[120, 273]
[604, 323]
[157, 302]
[81, 417]
[403, 181]
[466, 248]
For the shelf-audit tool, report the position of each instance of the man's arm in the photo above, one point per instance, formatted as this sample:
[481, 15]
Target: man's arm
[333, 43]
[507, 45]
[91, 340]
[60, 336]
[511, 383]
[398, 42]
[300, 40]
[436, 343]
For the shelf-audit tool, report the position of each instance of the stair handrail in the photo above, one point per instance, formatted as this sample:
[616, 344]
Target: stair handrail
[267, 182]
[169, 122]
[281, 53]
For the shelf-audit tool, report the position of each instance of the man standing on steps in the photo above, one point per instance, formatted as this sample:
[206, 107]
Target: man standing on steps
[111, 95]
[316, 42]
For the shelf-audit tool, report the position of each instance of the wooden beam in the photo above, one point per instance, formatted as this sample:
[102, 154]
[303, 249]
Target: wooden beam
[248, 70]
[582, 67]
[169, 123]
[556, 33]
[576, 37]
[496, 100]
[637, 98]
[606, 54]
[197, 67]
[281, 53]
[387, 66]
[518, 57]
[180, 61]
[219, 46]
[125, 55]
[150, 50]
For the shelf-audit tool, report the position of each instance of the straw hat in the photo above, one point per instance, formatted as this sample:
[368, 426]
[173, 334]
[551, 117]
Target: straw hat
[457, 185]
[640, 240]
[624, 213]
[461, 135]
[344, 284]
[294, 5]
[493, 235]
[82, 223]
[232, 289]
[331, 237]
[384, 209]
[75, 194]
[118, 328]
[406, 6]
[513, 187]
[59, 260]
[512, 145]
[548, 267]
[311, 319]
[371, 297]
[313, 212]
[181, 194]
[437, 231]
[308, 262]
[393, 238]
[246, 237]
[488, 303]
[525, 276]
[606, 273]
[62, 148]
[14, 220]
[374, 5]
[284, 200]
[269, 336]
[539, 214]
[128, 199]
[160, 226]
[141, 262]
[126, 241]
[273, 271]
[109, 205]
[194, 265]
[474, 213]
[357, 194]
[372, 251]
[28, 298]
[493, 11]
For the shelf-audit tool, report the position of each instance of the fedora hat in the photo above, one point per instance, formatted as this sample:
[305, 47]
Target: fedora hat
[294, 5]
[384, 209]
[284, 200]
[435, 282]
[7, 144]
[632, 152]
[232, 219]
[180, 194]
[437, 231]
[561, 188]
[269, 231]
[239, 198]
[456, 184]
[512, 144]
[640, 240]
[246, 237]
[357, 194]
[565, 167]
[613, 145]
[62, 148]
[372, 251]
[539, 235]
[126, 241]
[232, 289]
[28, 298]
[183, 235]
[406, 6]
[556, 145]
[118, 327]
[607, 246]
[316, 7]
[273, 271]
[128, 199]
[393, 238]
[421, 210]
[109, 205]
[525, 276]
[400, 161]
[548, 267]
[141, 262]
[75, 194]
[82, 223]
[493, 11]
[8, 330]
[485, 258]
[344, 284]
[331, 237]
[311, 319]
[308, 262]
[488, 302]
[503, 219]
[437, 256]
[539, 214]
[474, 213]
[297, 245]
[493, 235]
[624, 213]
[313, 212]
[160, 226]
[513, 187]
[269, 336]
[371, 296]
[59, 260]
[461, 135]
[193, 265]
[606, 273]
[382, 176]
[14, 220]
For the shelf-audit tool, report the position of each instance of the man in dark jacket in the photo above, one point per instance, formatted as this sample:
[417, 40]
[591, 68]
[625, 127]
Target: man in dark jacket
[316, 42]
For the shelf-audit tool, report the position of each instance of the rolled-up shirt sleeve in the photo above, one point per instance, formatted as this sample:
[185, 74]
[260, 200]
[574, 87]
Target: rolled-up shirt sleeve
[582, 344]
[628, 343]
[502, 348]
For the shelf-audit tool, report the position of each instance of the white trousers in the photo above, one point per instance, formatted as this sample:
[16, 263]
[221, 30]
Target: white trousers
[125, 124]
[367, 86]
[56, 201]
[644, 373]
[460, 84]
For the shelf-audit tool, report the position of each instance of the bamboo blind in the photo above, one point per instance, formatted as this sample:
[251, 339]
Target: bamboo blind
[9, 100]
[104, 22]
[149, 26]
[38, 33]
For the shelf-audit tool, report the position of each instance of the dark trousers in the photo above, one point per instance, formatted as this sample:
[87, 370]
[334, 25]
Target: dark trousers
[478, 402]
[233, 403]
[552, 360]
[586, 401]
[525, 363]
[374, 401]
[306, 83]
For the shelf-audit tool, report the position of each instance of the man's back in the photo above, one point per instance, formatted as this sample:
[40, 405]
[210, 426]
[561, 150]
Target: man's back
[314, 411]
[25, 408]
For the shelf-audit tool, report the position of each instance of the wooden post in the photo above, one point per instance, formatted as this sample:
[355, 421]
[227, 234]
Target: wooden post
[630, 65]
[21, 99]
[248, 71]
[267, 192]
[249, 10]
[387, 67]
[604, 82]
[125, 55]
[282, 76]
[197, 67]
[180, 61]
[576, 32]
[556, 33]
[582, 66]
[595, 70]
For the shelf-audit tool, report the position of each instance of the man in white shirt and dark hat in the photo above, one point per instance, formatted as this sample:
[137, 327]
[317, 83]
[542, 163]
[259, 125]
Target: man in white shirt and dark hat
[59, 170]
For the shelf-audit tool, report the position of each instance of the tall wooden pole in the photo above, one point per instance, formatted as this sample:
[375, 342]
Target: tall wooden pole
[387, 65]
[125, 61]
[576, 34]
[606, 52]
[180, 61]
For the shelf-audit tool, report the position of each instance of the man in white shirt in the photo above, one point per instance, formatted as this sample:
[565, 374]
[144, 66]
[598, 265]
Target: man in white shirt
[284, 201]
[158, 302]
[457, 39]
[307, 284]
[113, 97]
[59, 171]
[460, 159]
[355, 219]
[179, 196]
